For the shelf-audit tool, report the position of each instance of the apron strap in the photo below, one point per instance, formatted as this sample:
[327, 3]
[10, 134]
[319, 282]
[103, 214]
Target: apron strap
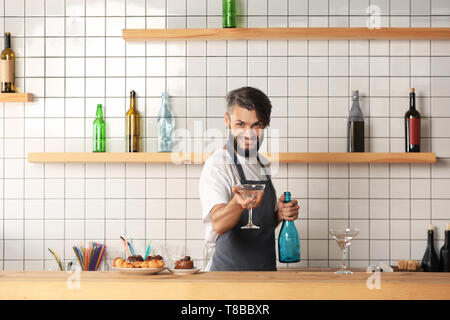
[230, 148]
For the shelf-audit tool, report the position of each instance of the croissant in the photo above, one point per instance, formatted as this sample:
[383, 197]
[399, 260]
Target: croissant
[138, 264]
[117, 262]
[154, 263]
[121, 263]
[410, 265]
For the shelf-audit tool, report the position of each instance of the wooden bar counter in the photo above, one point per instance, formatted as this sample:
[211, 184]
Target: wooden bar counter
[280, 285]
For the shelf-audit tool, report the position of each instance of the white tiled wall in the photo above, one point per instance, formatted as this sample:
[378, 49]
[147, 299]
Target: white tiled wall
[71, 56]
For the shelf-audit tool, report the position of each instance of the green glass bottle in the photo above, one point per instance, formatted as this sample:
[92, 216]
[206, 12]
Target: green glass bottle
[99, 132]
[229, 13]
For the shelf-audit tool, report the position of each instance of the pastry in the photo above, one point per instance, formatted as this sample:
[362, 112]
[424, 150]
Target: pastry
[156, 262]
[408, 265]
[117, 262]
[135, 258]
[185, 263]
[139, 264]
[157, 257]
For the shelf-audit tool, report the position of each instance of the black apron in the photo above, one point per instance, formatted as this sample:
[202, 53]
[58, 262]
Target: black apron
[249, 249]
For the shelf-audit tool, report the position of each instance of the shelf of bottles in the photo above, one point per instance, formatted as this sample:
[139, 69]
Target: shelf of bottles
[287, 33]
[199, 158]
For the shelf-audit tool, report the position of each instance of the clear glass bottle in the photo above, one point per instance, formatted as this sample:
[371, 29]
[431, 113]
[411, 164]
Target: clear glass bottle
[229, 13]
[288, 239]
[355, 126]
[166, 124]
[132, 125]
[99, 131]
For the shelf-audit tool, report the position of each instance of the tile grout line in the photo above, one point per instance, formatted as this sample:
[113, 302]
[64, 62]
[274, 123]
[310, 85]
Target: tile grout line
[308, 43]
[23, 161]
[3, 167]
[104, 264]
[45, 166]
[64, 106]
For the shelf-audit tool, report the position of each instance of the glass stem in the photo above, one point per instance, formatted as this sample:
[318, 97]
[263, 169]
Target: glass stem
[250, 212]
[344, 253]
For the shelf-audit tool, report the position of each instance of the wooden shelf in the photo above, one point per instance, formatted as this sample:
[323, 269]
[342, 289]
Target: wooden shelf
[198, 158]
[287, 33]
[16, 97]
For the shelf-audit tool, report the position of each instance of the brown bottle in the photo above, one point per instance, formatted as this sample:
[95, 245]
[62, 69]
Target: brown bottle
[7, 66]
[132, 131]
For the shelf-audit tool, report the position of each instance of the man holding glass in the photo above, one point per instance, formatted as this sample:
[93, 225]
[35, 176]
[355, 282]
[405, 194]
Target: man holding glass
[224, 209]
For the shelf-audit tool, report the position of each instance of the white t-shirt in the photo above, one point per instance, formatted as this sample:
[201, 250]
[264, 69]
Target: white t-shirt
[219, 176]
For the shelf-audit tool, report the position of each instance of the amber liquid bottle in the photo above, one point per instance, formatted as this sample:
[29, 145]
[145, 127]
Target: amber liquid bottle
[7, 66]
[132, 131]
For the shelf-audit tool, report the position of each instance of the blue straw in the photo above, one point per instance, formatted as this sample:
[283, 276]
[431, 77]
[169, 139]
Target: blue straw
[147, 251]
[131, 246]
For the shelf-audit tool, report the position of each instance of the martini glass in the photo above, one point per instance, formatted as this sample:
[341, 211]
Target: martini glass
[343, 237]
[250, 191]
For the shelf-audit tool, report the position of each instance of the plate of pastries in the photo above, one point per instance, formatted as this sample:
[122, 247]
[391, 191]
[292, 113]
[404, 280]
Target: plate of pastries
[408, 265]
[137, 264]
[185, 266]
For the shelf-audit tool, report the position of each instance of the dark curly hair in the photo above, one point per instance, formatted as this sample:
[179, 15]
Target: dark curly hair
[251, 99]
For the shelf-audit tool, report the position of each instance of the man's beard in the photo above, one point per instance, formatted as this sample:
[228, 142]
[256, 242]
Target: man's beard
[246, 152]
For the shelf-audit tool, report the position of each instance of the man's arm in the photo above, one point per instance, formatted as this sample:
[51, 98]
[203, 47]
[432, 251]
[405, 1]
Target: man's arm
[225, 216]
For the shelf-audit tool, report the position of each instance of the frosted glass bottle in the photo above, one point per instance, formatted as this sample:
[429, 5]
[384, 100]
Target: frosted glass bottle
[166, 124]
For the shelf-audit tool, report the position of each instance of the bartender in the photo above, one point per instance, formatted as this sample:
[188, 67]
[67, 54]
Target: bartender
[223, 208]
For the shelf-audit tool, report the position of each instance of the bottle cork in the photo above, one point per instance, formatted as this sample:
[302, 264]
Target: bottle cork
[430, 227]
[448, 227]
[412, 90]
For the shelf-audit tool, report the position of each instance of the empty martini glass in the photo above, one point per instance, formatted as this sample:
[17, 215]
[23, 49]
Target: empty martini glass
[343, 237]
[250, 191]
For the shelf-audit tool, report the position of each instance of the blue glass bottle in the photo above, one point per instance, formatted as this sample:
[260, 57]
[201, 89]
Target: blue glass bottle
[288, 239]
[166, 124]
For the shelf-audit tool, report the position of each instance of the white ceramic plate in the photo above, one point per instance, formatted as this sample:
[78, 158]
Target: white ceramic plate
[139, 270]
[185, 271]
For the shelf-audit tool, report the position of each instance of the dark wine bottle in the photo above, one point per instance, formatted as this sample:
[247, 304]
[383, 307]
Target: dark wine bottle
[444, 259]
[430, 262]
[412, 125]
[355, 126]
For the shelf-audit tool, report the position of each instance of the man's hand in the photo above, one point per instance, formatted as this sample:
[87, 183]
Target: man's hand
[245, 203]
[287, 211]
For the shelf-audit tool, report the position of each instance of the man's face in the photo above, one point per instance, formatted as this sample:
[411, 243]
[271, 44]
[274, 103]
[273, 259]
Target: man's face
[245, 127]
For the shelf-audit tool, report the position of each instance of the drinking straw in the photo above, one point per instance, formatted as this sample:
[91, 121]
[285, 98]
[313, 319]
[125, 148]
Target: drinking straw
[61, 267]
[100, 256]
[78, 256]
[131, 246]
[125, 245]
[89, 258]
[147, 251]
